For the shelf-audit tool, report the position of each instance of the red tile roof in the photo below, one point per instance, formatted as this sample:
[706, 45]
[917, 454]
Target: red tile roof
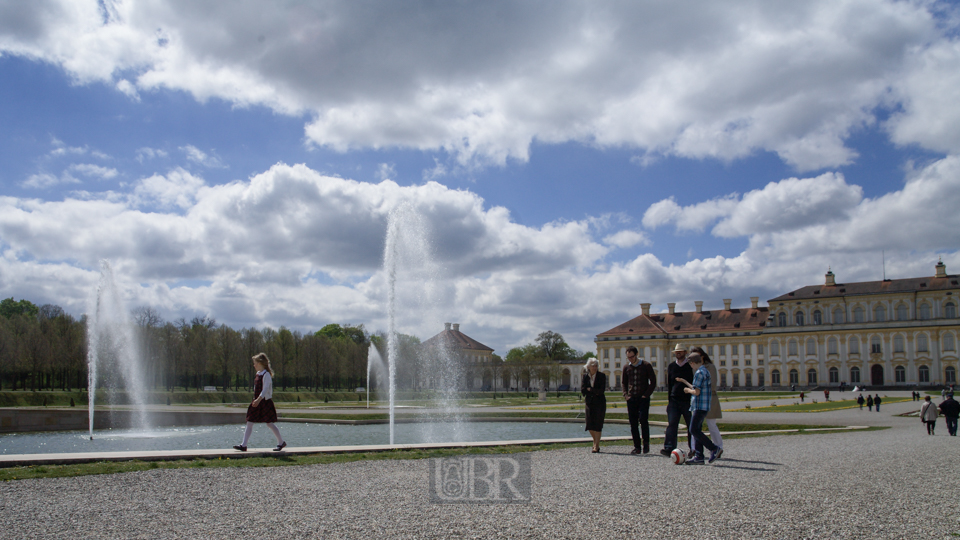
[871, 287]
[734, 320]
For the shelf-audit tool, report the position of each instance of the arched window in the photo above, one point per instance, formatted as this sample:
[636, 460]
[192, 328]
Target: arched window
[950, 310]
[794, 376]
[948, 343]
[792, 347]
[854, 374]
[902, 312]
[834, 375]
[854, 345]
[798, 317]
[782, 319]
[899, 374]
[898, 344]
[838, 316]
[923, 374]
[775, 348]
[817, 317]
[811, 376]
[950, 375]
[811, 346]
[875, 346]
[832, 346]
[924, 311]
[775, 377]
[879, 314]
[923, 345]
[858, 314]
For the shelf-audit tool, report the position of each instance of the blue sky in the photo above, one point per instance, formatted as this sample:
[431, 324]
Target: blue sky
[568, 160]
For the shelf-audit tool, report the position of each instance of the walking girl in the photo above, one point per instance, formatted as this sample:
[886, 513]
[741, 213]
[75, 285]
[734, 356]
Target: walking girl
[261, 409]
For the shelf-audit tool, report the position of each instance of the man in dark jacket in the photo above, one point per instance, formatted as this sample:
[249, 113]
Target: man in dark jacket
[950, 410]
[678, 403]
[638, 383]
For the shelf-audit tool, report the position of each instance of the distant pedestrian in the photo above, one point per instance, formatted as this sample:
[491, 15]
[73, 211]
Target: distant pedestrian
[943, 394]
[869, 402]
[950, 410]
[876, 401]
[262, 409]
[826, 394]
[860, 401]
[928, 415]
[801, 397]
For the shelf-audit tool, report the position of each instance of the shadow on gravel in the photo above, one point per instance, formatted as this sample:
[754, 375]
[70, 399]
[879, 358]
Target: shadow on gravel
[724, 464]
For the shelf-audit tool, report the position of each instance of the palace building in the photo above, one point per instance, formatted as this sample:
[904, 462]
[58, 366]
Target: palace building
[894, 332]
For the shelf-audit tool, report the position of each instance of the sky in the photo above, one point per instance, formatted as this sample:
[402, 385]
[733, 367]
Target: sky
[549, 164]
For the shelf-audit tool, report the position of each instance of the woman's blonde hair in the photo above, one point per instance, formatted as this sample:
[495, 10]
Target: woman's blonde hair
[264, 361]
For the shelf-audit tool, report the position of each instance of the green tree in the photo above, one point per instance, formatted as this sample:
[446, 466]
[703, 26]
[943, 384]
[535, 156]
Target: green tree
[9, 308]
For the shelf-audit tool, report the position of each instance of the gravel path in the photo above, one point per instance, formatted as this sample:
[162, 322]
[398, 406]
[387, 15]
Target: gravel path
[882, 484]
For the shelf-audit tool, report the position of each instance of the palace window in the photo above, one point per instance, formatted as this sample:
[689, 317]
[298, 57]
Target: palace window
[924, 311]
[723, 379]
[723, 363]
[759, 361]
[898, 344]
[760, 379]
[854, 374]
[811, 347]
[858, 315]
[736, 379]
[854, 345]
[817, 317]
[616, 352]
[760, 348]
[709, 350]
[875, 346]
[832, 346]
[902, 312]
[606, 353]
[775, 348]
[879, 314]
[782, 319]
[749, 379]
[775, 377]
[736, 363]
[792, 347]
[794, 376]
[838, 316]
[950, 375]
[834, 375]
[923, 373]
[948, 343]
[734, 350]
[923, 344]
[746, 362]
[899, 374]
[811, 376]
[722, 349]
[950, 310]
[798, 317]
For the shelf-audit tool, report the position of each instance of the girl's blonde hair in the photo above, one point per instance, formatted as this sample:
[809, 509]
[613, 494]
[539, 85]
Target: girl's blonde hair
[264, 361]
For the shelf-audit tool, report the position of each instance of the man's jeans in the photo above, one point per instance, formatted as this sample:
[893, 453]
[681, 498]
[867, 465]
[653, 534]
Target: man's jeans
[638, 411]
[676, 409]
[696, 429]
[951, 425]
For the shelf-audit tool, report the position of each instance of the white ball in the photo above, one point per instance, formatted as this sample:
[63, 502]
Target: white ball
[679, 456]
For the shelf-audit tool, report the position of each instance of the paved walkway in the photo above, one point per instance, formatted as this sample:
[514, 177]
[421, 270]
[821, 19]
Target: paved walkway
[893, 483]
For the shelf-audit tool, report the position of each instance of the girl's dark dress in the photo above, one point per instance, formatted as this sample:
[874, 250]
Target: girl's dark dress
[595, 400]
[266, 412]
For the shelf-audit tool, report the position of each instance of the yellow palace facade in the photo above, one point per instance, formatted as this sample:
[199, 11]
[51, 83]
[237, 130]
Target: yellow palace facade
[900, 332]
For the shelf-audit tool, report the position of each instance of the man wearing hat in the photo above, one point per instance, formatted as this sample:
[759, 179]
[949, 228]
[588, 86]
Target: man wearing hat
[678, 404]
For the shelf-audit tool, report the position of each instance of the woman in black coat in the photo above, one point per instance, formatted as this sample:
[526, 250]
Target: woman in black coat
[593, 387]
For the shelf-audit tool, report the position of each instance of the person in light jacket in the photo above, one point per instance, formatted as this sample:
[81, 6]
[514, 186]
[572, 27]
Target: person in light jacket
[928, 415]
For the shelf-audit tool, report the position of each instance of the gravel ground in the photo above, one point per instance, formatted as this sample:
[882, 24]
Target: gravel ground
[883, 484]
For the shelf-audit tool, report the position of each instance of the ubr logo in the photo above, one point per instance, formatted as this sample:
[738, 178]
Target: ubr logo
[480, 479]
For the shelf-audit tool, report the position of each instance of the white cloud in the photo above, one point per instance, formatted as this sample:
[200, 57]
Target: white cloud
[147, 153]
[94, 171]
[386, 171]
[694, 80]
[178, 188]
[200, 157]
[46, 180]
[626, 239]
[129, 89]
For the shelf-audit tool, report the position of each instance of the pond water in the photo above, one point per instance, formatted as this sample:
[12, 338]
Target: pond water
[295, 433]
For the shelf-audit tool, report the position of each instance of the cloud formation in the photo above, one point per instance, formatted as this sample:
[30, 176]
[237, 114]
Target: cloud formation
[481, 81]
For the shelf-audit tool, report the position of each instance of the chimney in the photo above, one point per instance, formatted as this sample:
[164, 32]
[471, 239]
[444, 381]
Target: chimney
[699, 304]
[726, 303]
[755, 302]
[645, 308]
[456, 327]
[672, 306]
[446, 327]
[941, 269]
[831, 281]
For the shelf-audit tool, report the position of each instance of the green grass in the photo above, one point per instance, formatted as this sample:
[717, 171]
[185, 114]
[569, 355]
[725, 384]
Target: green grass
[820, 406]
[114, 467]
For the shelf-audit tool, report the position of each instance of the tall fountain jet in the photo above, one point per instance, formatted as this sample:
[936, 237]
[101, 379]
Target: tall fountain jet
[111, 344]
